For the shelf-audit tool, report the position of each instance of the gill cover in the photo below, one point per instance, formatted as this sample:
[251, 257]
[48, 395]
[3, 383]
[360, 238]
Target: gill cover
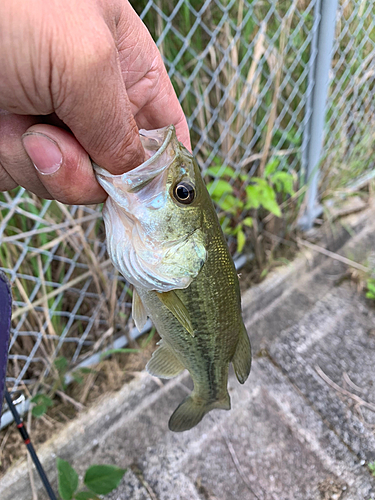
[156, 243]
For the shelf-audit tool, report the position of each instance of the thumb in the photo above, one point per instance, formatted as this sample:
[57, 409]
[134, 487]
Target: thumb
[93, 102]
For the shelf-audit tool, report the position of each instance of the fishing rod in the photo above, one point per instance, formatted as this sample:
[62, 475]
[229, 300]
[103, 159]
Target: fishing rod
[26, 439]
[5, 317]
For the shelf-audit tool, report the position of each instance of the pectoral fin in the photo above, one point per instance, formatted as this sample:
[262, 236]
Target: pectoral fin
[242, 357]
[138, 311]
[177, 308]
[163, 363]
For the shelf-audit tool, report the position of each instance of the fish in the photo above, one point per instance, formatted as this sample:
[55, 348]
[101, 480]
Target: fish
[164, 237]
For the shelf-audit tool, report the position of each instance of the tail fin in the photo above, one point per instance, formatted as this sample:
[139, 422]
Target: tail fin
[191, 411]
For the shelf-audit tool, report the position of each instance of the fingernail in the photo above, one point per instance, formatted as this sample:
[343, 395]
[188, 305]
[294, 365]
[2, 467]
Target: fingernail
[43, 152]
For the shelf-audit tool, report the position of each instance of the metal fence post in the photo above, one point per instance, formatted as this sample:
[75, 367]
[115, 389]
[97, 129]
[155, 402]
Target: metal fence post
[314, 126]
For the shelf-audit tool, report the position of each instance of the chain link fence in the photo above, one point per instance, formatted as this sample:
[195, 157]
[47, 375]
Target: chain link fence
[243, 71]
[349, 131]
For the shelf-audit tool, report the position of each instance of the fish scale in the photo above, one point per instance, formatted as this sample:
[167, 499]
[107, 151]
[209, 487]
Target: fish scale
[183, 274]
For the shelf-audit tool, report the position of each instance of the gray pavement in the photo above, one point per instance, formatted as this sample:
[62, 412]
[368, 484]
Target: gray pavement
[301, 428]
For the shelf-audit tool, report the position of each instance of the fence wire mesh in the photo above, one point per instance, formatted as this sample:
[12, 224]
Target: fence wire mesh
[241, 71]
[349, 133]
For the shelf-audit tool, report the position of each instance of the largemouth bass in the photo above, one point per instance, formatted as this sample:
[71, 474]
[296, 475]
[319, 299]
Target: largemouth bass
[164, 236]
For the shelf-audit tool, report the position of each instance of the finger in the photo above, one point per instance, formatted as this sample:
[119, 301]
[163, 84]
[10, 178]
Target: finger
[150, 118]
[6, 182]
[90, 97]
[153, 100]
[62, 165]
[17, 169]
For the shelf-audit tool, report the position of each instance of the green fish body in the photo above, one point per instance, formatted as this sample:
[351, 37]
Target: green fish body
[164, 236]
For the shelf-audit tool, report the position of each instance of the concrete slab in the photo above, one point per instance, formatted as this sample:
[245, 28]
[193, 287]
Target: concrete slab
[291, 292]
[335, 339]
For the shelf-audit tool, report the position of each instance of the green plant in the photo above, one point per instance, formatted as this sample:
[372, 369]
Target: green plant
[41, 402]
[371, 466]
[98, 479]
[370, 294]
[236, 202]
[41, 405]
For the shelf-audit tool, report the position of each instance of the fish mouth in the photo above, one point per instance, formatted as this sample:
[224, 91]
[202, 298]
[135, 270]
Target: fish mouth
[155, 144]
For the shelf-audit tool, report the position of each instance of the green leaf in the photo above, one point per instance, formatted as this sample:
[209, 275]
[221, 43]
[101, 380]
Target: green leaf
[84, 369]
[283, 182]
[248, 221]
[85, 495]
[39, 410]
[252, 194]
[61, 364]
[102, 479]
[218, 188]
[230, 203]
[264, 273]
[221, 171]
[241, 240]
[260, 193]
[370, 295]
[77, 377]
[272, 206]
[42, 399]
[271, 167]
[67, 478]
[42, 403]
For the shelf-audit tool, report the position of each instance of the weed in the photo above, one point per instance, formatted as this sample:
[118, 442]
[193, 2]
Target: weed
[370, 294]
[98, 479]
[237, 201]
[42, 403]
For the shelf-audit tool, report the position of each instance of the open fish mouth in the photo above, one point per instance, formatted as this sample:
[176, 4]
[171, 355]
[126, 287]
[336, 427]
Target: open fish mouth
[147, 181]
[155, 144]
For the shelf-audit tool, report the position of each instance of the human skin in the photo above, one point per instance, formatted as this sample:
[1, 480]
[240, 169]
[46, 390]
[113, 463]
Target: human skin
[77, 80]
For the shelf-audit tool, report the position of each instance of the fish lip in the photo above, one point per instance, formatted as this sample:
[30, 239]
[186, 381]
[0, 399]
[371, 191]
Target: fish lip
[171, 131]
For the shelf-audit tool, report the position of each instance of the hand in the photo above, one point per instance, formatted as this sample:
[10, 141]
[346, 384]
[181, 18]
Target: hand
[77, 78]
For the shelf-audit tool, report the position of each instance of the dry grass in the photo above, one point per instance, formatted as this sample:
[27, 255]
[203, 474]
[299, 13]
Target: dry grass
[110, 375]
[63, 273]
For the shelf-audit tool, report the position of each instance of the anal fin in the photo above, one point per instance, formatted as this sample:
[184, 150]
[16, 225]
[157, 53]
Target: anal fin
[163, 363]
[177, 308]
[242, 357]
[138, 311]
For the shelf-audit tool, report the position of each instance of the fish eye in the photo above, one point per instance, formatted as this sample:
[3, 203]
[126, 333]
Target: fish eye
[184, 192]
